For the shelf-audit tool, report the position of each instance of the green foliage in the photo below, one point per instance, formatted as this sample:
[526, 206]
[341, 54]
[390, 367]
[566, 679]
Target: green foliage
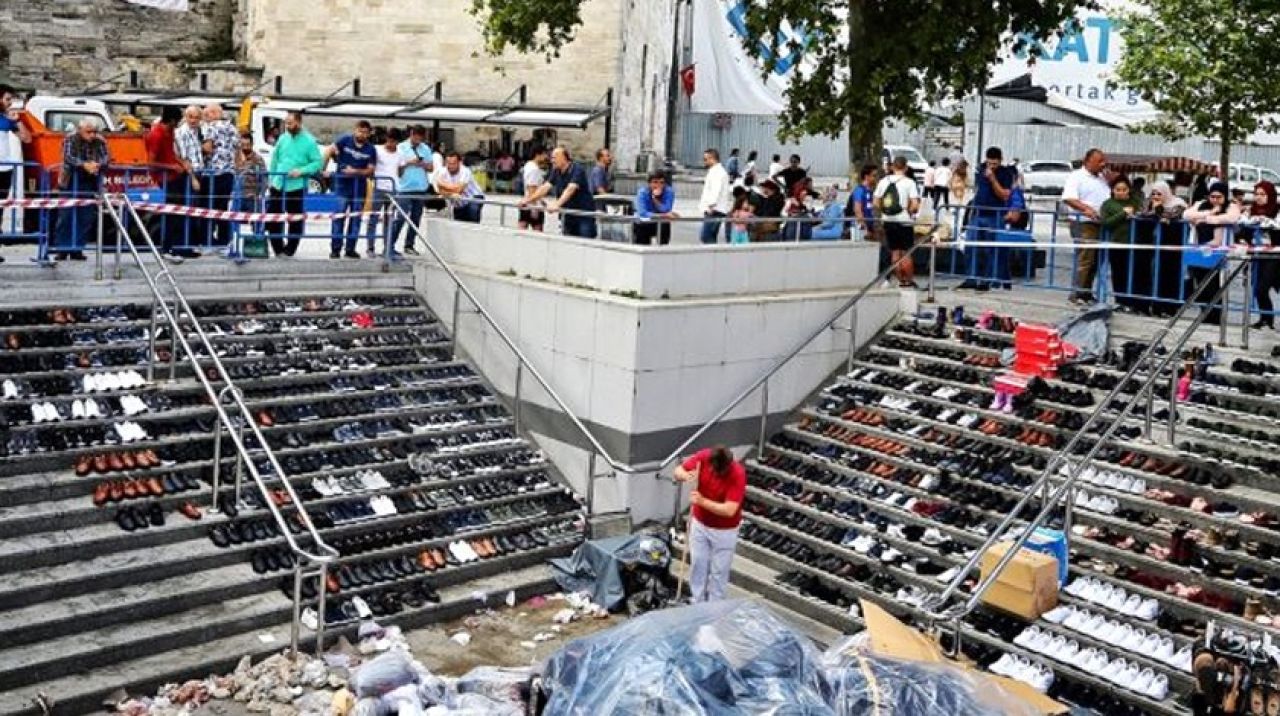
[1207, 65]
[528, 26]
[872, 60]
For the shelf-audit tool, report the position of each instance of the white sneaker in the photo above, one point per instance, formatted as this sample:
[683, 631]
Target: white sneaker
[89, 384]
[1159, 688]
[1041, 679]
[1131, 605]
[1135, 641]
[362, 608]
[1076, 619]
[1142, 681]
[10, 390]
[1181, 661]
[1002, 665]
[1054, 648]
[310, 619]
[948, 575]
[1084, 658]
[37, 413]
[1058, 614]
[1068, 653]
[1025, 638]
[1148, 610]
[93, 410]
[77, 409]
[1117, 599]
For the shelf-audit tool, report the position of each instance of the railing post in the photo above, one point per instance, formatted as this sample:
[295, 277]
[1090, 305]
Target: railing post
[320, 606]
[151, 343]
[853, 338]
[240, 459]
[591, 484]
[1248, 305]
[217, 464]
[764, 416]
[296, 622]
[1173, 405]
[932, 297]
[518, 391]
[454, 328]
[175, 346]
[1146, 427]
[102, 221]
[1226, 305]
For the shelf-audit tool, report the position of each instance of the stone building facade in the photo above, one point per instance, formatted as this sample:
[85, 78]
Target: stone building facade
[399, 47]
[61, 46]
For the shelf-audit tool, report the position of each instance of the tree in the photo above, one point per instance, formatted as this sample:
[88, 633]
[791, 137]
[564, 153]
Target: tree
[866, 62]
[1206, 65]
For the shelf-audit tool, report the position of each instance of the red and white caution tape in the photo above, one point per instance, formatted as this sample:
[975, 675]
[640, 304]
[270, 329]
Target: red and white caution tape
[242, 216]
[47, 203]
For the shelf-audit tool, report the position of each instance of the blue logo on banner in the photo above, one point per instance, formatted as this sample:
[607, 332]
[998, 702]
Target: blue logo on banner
[786, 58]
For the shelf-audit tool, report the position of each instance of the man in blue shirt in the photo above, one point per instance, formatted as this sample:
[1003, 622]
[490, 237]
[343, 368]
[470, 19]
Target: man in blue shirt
[992, 190]
[573, 191]
[414, 179]
[654, 201]
[356, 158]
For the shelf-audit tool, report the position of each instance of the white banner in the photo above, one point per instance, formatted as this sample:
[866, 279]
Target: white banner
[1080, 65]
[727, 78]
[170, 5]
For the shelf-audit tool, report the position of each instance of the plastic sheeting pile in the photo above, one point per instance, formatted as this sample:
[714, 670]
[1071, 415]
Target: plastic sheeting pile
[736, 657]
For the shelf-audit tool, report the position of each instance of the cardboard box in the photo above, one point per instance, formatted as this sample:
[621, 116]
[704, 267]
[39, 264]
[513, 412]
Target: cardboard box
[1028, 587]
[892, 639]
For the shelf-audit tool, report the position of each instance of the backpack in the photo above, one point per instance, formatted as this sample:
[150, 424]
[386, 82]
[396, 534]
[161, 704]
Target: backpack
[891, 201]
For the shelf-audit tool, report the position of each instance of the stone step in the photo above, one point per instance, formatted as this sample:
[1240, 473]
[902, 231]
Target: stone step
[83, 691]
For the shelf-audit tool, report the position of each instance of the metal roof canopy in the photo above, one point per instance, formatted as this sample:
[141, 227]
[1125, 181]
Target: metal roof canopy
[505, 113]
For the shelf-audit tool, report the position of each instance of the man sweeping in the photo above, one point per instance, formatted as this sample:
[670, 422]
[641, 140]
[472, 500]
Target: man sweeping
[717, 510]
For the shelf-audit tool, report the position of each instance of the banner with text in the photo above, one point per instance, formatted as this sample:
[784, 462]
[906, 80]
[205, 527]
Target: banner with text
[728, 79]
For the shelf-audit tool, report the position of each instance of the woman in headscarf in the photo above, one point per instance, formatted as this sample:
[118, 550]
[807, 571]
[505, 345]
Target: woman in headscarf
[1160, 227]
[1213, 223]
[1266, 269]
[1117, 215]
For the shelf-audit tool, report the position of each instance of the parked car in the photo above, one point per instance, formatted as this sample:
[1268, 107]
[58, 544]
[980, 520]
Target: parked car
[1046, 177]
[915, 160]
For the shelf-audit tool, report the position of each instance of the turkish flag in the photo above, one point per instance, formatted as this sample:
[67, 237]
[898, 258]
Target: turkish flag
[687, 80]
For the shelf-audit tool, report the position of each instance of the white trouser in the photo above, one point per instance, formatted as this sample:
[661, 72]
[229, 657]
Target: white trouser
[710, 555]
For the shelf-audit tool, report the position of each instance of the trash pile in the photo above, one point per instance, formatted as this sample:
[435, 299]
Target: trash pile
[377, 677]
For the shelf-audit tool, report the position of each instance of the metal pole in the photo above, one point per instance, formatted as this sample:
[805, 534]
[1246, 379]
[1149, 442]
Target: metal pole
[1173, 404]
[151, 344]
[174, 346]
[295, 623]
[217, 463]
[324, 573]
[1067, 514]
[240, 460]
[97, 260]
[1226, 307]
[1151, 399]
[933, 273]
[502, 215]
[454, 326]
[764, 416]
[1248, 305]
[853, 338]
[518, 391]
[591, 484]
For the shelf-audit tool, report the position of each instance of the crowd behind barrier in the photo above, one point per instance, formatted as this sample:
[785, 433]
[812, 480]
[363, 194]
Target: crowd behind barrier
[1144, 266]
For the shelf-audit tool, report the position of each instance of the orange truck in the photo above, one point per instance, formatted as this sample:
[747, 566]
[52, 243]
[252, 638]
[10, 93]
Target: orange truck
[50, 119]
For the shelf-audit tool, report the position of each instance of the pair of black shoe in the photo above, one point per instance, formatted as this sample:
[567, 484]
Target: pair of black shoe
[272, 560]
[139, 517]
[244, 531]
[363, 574]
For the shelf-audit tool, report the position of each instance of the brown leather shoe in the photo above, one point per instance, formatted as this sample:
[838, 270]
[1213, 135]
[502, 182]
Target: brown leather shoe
[102, 464]
[264, 419]
[122, 461]
[189, 510]
[130, 489]
[438, 555]
[101, 494]
[148, 458]
[331, 583]
[13, 341]
[117, 490]
[155, 486]
[83, 465]
[425, 560]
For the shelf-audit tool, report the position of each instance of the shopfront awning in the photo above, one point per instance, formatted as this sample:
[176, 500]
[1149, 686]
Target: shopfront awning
[381, 109]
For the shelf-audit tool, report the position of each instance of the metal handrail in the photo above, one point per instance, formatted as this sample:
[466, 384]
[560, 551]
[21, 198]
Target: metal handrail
[324, 553]
[523, 362]
[936, 607]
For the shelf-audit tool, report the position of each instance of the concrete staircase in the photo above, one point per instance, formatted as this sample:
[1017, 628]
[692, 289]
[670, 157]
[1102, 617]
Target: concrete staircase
[87, 607]
[878, 456]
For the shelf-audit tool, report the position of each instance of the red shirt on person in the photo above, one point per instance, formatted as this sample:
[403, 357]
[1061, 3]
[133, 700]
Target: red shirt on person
[160, 151]
[731, 487]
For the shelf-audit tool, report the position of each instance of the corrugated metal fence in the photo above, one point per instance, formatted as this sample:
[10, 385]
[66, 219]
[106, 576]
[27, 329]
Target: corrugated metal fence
[1049, 142]
[825, 156]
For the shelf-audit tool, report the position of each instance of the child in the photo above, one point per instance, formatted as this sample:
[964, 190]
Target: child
[738, 233]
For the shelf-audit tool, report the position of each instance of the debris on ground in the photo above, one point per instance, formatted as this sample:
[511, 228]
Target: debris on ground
[471, 668]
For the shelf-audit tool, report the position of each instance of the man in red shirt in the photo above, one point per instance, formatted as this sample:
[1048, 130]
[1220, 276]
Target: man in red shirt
[717, 512]
[168, 172]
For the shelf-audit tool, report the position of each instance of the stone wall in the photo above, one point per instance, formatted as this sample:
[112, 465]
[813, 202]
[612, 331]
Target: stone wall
[644, 80]
[399, 47]
[57, 45]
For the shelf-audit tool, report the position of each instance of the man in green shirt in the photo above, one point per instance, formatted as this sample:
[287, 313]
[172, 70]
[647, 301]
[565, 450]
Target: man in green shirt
[295, 158]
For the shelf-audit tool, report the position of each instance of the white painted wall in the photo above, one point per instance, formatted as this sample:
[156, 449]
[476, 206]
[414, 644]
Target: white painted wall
[641, 366]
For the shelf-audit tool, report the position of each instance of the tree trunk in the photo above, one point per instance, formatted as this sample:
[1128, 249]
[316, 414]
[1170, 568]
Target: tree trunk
[866, 140]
